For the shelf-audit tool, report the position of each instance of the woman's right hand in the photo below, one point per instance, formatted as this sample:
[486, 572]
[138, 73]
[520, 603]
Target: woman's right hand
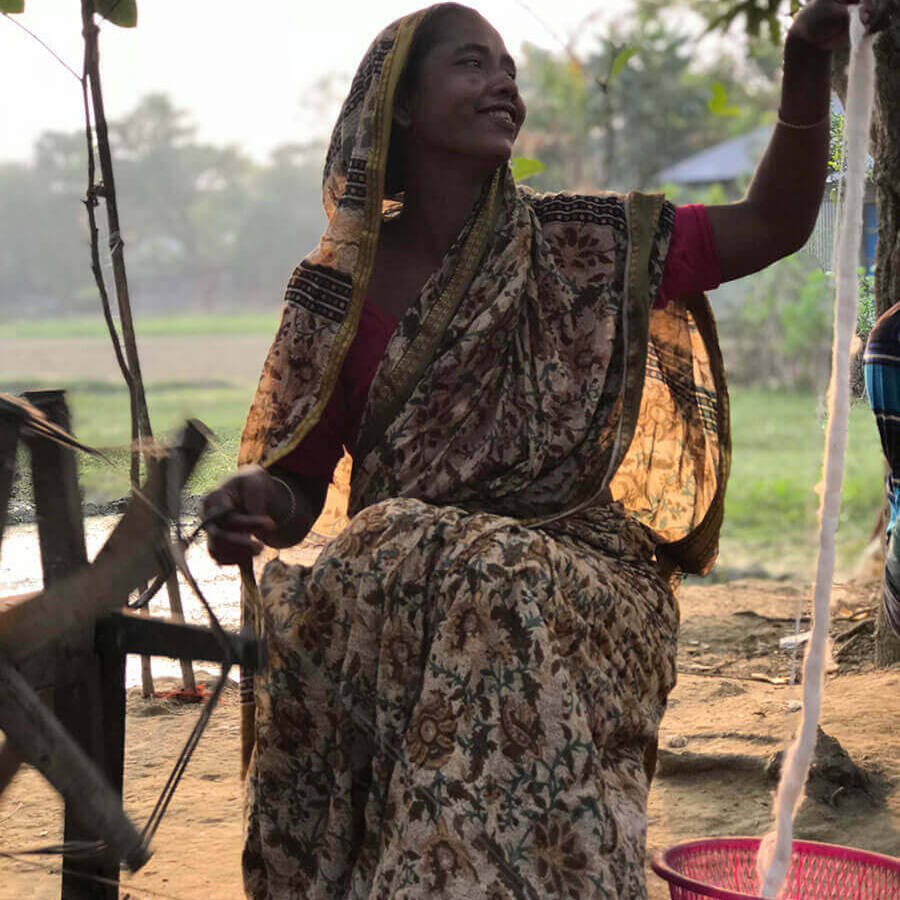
[244, 502]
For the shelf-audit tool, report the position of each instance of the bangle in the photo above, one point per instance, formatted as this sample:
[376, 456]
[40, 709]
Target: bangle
[292, 511]
[822, 121]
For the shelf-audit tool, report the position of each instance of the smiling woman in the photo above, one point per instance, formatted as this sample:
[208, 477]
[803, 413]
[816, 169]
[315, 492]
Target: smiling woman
[463, 693]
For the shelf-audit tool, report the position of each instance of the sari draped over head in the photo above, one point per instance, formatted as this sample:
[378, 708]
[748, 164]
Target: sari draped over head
[462, 688]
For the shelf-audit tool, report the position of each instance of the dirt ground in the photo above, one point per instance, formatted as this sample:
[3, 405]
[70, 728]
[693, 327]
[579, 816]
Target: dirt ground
[730, 712]
[163, 357]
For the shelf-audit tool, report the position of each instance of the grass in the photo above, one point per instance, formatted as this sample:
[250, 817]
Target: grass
[100, 418]
[771, 505]
[195, 325]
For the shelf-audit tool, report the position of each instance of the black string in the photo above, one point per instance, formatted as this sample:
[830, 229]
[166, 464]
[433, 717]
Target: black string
[176, 555]
[175, 559]
[168, 564]
[75, 849]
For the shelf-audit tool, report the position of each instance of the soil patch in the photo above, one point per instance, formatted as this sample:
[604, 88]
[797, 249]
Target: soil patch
[731, 711]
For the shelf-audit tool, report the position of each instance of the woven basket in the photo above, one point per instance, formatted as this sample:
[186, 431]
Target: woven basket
[725, 868]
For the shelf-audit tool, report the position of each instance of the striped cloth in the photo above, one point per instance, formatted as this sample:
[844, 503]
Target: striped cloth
[881, 364]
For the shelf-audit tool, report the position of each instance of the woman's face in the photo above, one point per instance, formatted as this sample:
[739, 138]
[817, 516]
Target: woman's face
[465, 103]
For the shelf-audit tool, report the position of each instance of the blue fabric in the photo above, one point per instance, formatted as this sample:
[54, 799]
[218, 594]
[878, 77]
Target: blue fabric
[881, 365]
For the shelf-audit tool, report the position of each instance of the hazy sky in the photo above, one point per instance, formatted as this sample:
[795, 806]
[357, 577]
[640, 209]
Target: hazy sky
[239, 68]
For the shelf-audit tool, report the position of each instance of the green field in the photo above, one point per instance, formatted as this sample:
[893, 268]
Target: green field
[100, 417]
[771, 505]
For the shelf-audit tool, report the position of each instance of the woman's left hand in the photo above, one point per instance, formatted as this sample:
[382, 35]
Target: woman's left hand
[825, 23]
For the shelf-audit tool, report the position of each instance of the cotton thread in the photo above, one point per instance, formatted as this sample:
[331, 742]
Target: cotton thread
[775, 850]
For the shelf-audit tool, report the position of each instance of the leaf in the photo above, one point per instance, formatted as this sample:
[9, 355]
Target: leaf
[12, 6]
[620, 61]
[119, 12]
[718, 102]
[523, 167]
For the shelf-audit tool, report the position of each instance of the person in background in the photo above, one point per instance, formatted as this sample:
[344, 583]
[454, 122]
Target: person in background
[881, 364]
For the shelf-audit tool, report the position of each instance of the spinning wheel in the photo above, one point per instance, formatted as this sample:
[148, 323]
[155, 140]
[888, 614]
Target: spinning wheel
[64, 648]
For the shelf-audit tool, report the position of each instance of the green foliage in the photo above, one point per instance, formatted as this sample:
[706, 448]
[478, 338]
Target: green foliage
[781, 334]
[718, 103]
[771, 505]
[636, 103]
[100, 417]
[836, 143]
[523, 167]
[836, 146]
[12, 6]
[119, 12]
[758, 15]
[865, 310]
[620, 60]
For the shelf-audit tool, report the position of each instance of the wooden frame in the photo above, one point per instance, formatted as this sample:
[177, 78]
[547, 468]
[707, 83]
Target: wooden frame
[68, 642]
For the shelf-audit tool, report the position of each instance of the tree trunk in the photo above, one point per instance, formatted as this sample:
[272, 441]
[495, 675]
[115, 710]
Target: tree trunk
[887, 161]
[886, 152]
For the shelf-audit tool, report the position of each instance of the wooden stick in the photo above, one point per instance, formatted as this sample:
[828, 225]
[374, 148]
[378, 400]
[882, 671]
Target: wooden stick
[187, 669]
[147, 690]
[140, 416]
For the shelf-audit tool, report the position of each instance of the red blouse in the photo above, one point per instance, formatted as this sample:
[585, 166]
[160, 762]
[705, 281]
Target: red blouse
[692, 266]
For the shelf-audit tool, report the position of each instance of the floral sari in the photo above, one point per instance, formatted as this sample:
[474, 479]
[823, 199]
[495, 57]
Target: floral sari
[462, 688]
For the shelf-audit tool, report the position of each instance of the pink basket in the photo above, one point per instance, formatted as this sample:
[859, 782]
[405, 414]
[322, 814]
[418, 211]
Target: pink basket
[725, 868]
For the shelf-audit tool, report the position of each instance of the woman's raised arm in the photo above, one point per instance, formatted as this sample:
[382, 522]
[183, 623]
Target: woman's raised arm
[777, 215]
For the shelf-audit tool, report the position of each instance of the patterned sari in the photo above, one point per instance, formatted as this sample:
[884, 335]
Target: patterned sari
[462, 688]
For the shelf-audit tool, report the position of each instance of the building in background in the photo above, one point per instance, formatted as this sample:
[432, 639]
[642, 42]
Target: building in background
[730, 165]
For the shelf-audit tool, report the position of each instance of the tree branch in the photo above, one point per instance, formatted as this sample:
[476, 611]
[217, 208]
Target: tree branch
[140, 418]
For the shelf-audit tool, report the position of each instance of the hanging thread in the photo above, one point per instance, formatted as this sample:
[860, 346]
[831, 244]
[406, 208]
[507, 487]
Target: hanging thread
[775, 849]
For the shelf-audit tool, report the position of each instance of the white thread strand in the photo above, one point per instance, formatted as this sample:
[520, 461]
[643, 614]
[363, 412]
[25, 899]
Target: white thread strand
[775, 850]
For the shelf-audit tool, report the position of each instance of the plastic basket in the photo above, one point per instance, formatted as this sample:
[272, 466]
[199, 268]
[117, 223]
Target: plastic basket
[725, 868]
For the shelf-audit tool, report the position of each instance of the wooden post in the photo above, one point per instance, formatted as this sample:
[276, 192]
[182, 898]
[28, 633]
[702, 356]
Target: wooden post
[57, 502]
[174, 480]
[187, 667]
[77, 691]
[9, 441]
[111, 660]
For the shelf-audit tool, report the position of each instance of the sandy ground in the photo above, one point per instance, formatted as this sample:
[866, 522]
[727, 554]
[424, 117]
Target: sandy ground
[731, 710]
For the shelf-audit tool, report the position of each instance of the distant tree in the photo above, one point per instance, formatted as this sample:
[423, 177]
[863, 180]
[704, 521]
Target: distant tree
[206, 226]
[43, 245]
[281, 221]
[593, 131]
[186, 200]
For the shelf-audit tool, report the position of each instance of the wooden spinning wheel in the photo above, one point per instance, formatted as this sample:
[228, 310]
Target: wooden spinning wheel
[63, 649]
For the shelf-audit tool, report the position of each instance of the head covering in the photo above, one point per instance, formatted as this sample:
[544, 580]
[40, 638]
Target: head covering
[530, 375]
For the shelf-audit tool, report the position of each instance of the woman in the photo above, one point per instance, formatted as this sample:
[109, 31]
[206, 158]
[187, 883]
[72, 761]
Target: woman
[462, 690]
